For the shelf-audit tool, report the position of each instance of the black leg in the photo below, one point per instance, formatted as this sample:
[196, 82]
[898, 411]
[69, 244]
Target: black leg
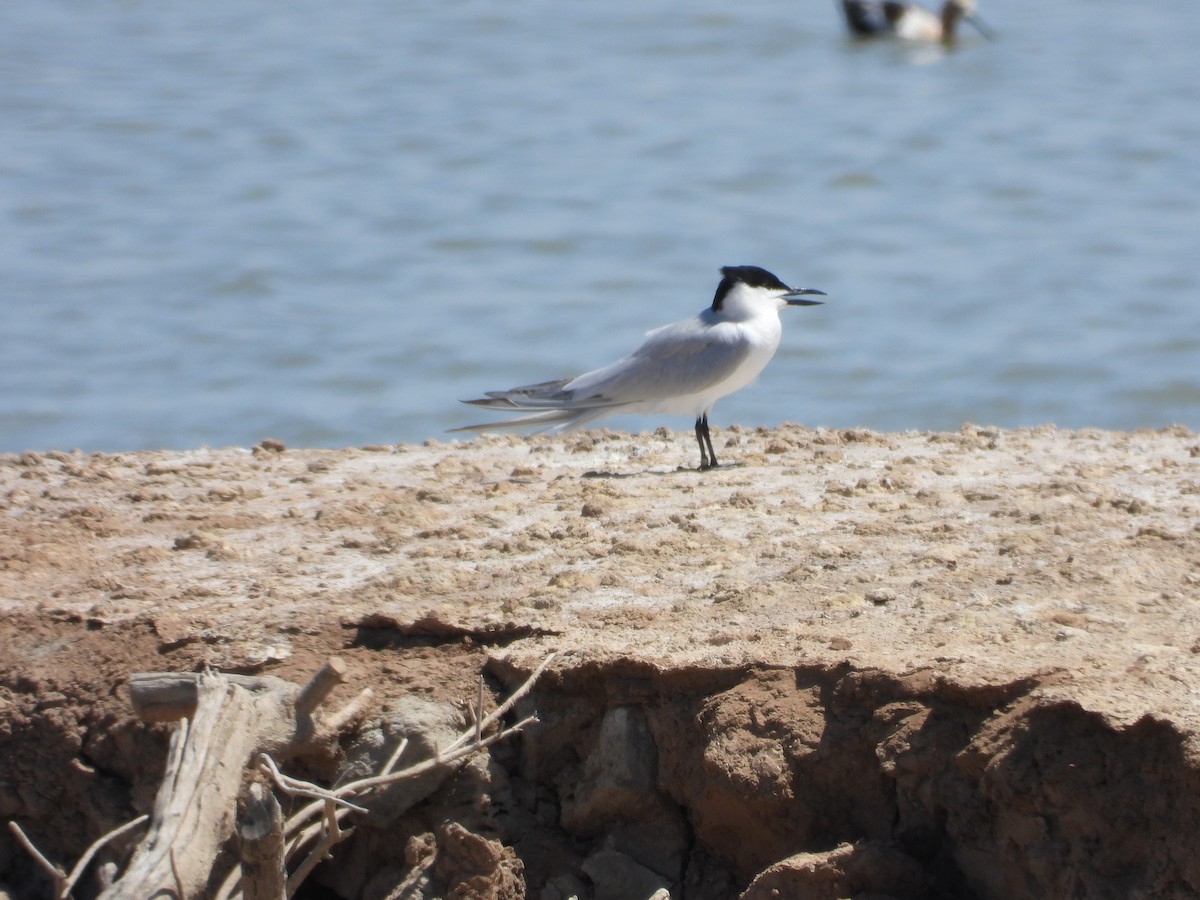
[708, 459]
[700, 429]
[712, 454]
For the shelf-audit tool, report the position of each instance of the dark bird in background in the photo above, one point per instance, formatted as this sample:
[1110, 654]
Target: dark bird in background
[909, 21]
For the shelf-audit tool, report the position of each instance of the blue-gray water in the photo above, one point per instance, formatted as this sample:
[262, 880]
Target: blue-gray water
[325, 223]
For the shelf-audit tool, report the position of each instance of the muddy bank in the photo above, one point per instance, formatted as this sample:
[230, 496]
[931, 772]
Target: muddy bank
[901, 664]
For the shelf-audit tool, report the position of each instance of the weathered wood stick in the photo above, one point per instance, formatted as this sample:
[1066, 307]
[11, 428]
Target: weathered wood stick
[321, 685]
[171, 696]
[260, 832]
[197, 801]
[226, 721]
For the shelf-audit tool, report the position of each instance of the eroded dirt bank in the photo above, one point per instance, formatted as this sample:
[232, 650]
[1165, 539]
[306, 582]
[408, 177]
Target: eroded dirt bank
[854, 663]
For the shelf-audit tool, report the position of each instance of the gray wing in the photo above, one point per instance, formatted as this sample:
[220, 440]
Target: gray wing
[675, 361]
[543, 394]
[546, 404]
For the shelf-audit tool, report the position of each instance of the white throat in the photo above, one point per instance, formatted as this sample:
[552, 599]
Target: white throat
[744, 303]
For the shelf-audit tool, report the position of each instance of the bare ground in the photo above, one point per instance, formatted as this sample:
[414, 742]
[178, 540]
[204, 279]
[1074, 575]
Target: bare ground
[846, 663]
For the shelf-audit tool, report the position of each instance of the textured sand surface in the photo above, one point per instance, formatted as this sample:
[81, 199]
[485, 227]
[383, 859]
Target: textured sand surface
[1066, 562]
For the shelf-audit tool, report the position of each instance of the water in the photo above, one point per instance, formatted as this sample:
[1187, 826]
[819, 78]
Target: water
[325, 223]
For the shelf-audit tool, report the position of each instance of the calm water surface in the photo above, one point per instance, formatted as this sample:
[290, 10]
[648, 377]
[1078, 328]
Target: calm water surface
[326, 223]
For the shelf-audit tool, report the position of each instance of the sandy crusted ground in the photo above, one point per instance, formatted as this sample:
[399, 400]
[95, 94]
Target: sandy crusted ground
[986, 553]
[1069, 560]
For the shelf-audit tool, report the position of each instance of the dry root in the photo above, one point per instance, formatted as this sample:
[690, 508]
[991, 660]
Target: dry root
[229, 724]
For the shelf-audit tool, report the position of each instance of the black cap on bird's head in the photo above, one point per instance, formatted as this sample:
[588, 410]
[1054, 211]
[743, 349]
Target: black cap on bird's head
[754, 276]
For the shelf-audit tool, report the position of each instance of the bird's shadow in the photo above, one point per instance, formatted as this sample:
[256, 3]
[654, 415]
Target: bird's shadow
[679, 470]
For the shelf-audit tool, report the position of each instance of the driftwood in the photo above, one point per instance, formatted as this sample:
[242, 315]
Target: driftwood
[260, 834]
[226, 721]
[316, 827]
[230, 726]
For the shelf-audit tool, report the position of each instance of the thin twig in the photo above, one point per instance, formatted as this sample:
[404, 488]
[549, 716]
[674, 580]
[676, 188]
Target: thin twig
[331, 805]
[463, 746]
[318, 853]
[308, 832]
[59, 877]
[395, 757]
[331, 819]
[445, 757]
[479, 713]
[91, 851]
[298, 840]
[303, 833]
[298, 788]
[508, 704]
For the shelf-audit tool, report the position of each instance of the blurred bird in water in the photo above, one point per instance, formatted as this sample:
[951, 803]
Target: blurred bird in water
[910, 22]
[680, 369]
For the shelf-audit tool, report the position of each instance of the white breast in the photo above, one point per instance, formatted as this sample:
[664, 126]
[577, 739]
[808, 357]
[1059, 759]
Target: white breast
[761, 336]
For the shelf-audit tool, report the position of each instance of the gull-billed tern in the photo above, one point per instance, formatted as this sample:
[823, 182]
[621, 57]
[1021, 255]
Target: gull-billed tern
[680, 369]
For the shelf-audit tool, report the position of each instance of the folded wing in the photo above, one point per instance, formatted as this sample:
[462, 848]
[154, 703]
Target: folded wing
[680, 360]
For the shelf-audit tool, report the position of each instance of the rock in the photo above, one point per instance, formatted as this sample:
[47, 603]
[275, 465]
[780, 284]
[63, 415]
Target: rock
[618, 797]
[428, 726]
[475, 868]
[616, 876]
[850, 870]
[660, 844]
[619, 775]
[563, 887]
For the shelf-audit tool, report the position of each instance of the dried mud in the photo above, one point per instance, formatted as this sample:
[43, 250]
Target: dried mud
[847, 664]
